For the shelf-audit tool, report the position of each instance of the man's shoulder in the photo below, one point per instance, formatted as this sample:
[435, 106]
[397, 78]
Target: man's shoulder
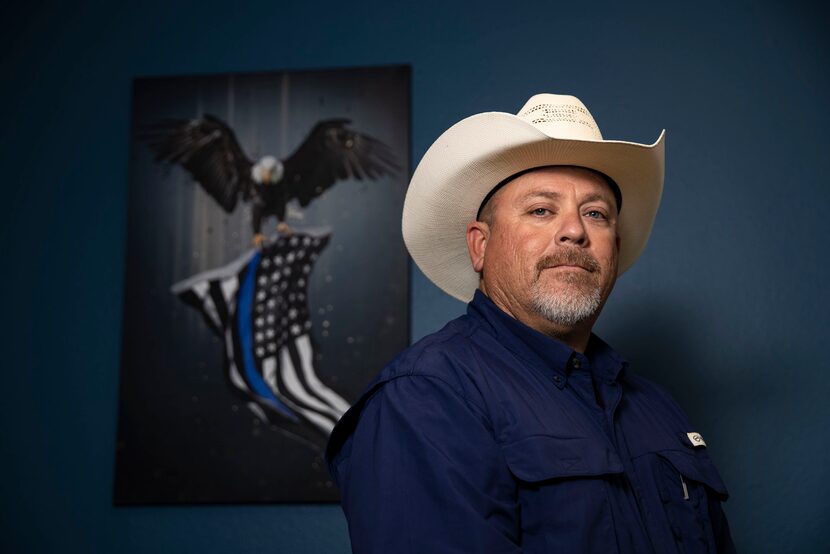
[449, 358]
[435, 355]
[443, 358]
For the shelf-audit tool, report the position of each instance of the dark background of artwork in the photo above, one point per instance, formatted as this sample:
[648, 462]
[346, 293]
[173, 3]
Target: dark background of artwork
[728, 306]
[184, 434]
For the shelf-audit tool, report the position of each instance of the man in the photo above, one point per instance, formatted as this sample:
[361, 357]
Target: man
[514, 429]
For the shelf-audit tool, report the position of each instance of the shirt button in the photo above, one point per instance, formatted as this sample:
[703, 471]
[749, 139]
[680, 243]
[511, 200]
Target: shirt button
[557, 379]
[575, 363]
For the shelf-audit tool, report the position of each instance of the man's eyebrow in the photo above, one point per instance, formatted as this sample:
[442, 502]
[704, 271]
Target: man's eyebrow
[540, 194]
[597, 196]
[593, 197]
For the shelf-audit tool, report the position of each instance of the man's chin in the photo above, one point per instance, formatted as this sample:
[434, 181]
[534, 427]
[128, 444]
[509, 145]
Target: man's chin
[568, 304]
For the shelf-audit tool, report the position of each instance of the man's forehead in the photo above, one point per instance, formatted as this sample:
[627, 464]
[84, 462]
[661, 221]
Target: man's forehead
[555, 181]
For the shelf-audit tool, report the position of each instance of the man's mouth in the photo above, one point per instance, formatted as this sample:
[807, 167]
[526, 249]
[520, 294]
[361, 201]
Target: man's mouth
[569, 266]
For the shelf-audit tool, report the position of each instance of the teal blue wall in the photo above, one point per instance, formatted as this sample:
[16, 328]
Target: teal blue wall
[727, 307]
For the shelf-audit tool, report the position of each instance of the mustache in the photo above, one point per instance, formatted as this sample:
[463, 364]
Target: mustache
[568, 257]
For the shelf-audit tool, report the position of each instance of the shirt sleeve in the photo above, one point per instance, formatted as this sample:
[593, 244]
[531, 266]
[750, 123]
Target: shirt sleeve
[423, 473]
[720, 527]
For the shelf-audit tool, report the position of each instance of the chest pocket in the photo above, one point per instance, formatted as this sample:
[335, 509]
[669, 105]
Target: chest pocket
[687, 485]
[543, 457]
[562, 491]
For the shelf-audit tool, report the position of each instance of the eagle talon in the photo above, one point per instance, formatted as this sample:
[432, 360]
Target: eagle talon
[283, 228]
[258, 240]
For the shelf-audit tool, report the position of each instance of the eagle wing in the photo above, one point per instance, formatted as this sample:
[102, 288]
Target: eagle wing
[208, 149]
[332, 152]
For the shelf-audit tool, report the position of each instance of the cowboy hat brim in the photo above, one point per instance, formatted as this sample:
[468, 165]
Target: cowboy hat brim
[477, 153]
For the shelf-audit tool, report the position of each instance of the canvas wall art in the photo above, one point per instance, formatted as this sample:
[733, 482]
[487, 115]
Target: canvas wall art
[266, 279]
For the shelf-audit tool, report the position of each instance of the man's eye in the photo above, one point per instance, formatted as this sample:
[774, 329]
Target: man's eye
[596, 214]
[540, 211]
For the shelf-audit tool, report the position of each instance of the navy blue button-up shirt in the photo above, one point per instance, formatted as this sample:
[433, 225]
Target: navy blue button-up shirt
[489, 437]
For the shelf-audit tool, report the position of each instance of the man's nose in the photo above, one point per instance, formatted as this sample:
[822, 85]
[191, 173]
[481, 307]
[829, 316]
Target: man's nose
[572, 229]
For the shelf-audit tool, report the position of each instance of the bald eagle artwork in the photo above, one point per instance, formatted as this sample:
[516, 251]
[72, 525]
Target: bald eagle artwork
[207, 147]
[245, 340]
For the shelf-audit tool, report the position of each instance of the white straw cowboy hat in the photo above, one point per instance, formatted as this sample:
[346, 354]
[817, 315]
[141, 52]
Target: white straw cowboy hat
[481, 151]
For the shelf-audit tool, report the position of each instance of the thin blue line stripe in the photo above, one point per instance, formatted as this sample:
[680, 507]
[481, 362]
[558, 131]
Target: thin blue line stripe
[244, 308]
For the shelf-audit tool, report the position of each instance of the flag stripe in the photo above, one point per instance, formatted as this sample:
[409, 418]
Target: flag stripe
[320, 420]
[191, 298]
[325, 425]
[218, 299]
[229, 288]
[243, 322]
[201, 290]
[233, 372]
[314, 383]
[296, 363]
[295, 389]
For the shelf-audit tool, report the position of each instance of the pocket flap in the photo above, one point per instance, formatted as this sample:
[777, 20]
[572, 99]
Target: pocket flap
[698, 467]
[542, 457]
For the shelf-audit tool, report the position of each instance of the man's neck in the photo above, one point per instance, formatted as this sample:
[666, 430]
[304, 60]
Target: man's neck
[575, 336]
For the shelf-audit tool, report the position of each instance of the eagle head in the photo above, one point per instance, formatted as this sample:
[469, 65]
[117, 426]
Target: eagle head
[267, 171]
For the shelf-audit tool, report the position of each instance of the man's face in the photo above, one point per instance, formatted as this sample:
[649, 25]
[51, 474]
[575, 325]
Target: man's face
[547, 247]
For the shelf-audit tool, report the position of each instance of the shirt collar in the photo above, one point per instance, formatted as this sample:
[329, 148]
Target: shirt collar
[548, 354]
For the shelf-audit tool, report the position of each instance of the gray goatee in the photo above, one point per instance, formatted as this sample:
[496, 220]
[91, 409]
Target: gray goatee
[578, 299]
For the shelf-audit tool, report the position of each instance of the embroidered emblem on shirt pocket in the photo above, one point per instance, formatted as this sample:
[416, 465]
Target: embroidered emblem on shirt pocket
[696, 439]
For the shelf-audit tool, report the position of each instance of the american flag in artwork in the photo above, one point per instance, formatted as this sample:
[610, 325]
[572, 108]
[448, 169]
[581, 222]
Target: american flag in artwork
[258, 305]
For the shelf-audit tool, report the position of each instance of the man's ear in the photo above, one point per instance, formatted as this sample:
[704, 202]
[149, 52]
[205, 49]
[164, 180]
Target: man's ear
[478, 233]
